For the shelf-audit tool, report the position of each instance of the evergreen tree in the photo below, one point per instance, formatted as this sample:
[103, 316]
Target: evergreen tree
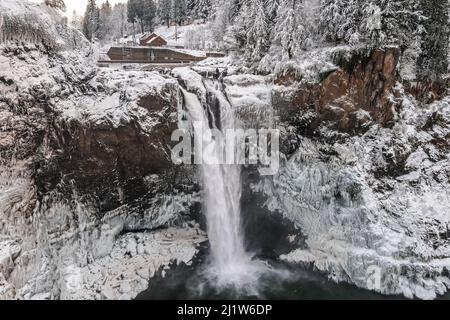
[433, 62]
[339, 20]
[200, 9]
[190, 6]
[222, 15]
[149, 15]
[91, 20]
[142, 12]
[77, 21]
[252, 31]
[120, 20]
[178, 10]
[165, 11]
[391, 22]
[290, 32]
[373, 22]
[105, 21]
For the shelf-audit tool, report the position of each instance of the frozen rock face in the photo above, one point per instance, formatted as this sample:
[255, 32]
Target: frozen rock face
[125, 271]
[84, 160]
[38, 24]
[373, 204]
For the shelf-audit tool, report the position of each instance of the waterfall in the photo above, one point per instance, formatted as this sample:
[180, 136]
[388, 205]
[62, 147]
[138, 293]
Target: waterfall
[230, 264]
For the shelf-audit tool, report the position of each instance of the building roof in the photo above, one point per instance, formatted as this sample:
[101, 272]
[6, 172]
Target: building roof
[149, 38]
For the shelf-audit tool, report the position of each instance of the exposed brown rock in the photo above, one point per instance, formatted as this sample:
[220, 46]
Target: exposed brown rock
[106, 162]
[348, 99]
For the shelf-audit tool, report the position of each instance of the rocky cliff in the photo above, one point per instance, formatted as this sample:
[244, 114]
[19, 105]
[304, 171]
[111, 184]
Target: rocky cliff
[366, 176]
[91, 205]
[85, 168]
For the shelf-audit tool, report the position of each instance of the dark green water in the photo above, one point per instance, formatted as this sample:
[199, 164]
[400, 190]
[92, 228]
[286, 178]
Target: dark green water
[184, 282]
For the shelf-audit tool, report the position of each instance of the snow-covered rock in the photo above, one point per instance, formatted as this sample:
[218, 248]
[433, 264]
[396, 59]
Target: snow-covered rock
[375, 208]
[84, 160]
[124, 272]
[36, 24]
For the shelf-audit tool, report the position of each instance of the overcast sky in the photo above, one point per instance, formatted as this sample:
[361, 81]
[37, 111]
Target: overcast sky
[80, 5]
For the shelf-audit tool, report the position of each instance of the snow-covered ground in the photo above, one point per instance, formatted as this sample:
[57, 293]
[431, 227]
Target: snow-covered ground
[194, 37]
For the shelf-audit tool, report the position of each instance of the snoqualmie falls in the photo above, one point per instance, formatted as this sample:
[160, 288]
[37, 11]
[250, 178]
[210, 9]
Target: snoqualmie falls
[349, 199]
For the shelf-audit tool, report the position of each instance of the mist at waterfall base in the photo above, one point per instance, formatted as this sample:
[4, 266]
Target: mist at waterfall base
[230, 266]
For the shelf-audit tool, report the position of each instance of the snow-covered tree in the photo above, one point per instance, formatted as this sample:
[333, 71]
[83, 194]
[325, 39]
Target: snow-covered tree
[372, 22]
[119, 20]
[339, 20]
[200, 9]
[222, 16]
[105, 21]
[391, 22]
[91, 20]
[77, 21]
[253, 29]
[165, 11]
[433, 62]
[291, 33]
[178, 10]
[57, 4]
[142, 12]
[149, 14]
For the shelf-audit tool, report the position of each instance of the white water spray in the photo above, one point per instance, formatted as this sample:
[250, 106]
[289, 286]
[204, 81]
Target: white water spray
[231, 265]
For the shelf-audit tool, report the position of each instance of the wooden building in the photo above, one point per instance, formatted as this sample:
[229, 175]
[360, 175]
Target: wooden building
[152, 40]
[215, 54]
[151, 55]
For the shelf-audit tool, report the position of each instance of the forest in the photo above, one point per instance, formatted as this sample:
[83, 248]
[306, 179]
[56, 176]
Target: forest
[269, 33]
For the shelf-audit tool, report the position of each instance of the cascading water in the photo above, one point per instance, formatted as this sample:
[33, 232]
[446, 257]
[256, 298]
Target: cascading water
[231, 265]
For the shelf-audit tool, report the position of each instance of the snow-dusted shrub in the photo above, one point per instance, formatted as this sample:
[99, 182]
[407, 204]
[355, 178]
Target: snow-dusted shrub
[25, 22]
[196, 38]
[25, 28]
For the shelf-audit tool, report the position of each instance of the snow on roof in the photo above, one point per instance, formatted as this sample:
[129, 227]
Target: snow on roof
[154, 38]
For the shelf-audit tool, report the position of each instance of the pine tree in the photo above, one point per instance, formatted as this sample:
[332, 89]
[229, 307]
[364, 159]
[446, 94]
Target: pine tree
[376, 23]
[57, 4]
[77, 21]
[391, 22]
[178, 10]
[190, 7]
[149, 15]
[339, 20]
[253, 30]
[142, 12]
[201, 9]
[222, 14]
[105, 13]
[290, 32]
[120, 20]
[91, 20]
[165, 11]
[433, 62]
